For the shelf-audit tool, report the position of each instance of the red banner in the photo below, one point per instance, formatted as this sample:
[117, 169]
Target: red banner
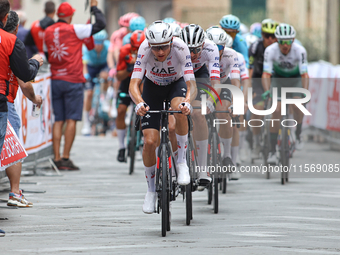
[12, 150]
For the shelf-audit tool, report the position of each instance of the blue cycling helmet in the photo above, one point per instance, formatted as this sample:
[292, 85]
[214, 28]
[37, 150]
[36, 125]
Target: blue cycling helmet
[100, 37]
[169, 20]
[230, 22]
[256, 29]
[126, 39]
[137, 23]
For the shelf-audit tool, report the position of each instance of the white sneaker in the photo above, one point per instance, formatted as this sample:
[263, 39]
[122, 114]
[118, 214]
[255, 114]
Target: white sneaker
[234, 176]
[255, 154]
[204, 179]
[183, 174]
[299, 144]
[149, 202]
[272, 158]
[86, 130]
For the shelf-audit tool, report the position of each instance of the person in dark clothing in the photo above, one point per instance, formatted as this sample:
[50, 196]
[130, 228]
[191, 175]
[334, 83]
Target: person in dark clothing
[22, 33]
[13, 56]
[35, 36]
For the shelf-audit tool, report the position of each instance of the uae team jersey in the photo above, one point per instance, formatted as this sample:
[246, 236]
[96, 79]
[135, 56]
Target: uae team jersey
[177, 64]
[244, 72]
[229, 65]
[210, 56]
[293, 64]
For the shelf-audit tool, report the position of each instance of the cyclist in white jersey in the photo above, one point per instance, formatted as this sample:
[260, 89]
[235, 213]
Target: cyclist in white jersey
[230, 73]
[239, 134]
[286, 62]
[203, 53]
[168, 75]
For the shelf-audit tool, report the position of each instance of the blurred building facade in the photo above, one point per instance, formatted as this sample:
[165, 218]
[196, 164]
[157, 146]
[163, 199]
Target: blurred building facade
[316, 21]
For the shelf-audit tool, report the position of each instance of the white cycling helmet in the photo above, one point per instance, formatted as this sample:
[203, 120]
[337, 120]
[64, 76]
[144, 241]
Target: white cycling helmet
[243, 29]
[229, 42]
[159, 32]
[176, 29]
[285, 31]
[217, 35]
[193, 35]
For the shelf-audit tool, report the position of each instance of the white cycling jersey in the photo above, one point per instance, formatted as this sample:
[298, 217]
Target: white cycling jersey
[210, 57]
[229, 65]
[177, 64]
[243, 67]
[291, 65]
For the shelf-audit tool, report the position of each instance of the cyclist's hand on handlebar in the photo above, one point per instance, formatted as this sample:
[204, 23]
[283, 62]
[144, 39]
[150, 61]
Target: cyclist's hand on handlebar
[141, 109]
[186, 108]
[265, 95]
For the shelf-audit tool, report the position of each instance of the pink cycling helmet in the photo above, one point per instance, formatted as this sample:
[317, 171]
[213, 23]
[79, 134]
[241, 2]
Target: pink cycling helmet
[125, 19]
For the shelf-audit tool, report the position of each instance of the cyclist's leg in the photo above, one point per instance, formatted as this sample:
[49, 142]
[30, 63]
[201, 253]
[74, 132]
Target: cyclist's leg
[275, 125]
[298, 114]
[234, 152]
[93, 72]
[258, 105]
[153, 95]
[123, 103]
[177, 97]
[201, 128]
[226, 131]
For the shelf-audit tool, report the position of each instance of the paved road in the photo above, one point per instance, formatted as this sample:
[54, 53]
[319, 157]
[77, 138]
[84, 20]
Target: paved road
[98, 211]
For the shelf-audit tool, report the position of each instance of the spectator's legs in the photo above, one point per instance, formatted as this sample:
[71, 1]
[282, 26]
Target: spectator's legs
[70, 133]
[56, 138]
[13, 174]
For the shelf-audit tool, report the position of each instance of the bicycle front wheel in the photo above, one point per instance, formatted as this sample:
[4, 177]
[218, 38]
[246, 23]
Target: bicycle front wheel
[165, 192]
[214, 161]
[132, 144]
[284, 153]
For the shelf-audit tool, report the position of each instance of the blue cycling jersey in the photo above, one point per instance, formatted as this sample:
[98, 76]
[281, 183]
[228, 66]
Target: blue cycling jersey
[240, 45]
[92, 58]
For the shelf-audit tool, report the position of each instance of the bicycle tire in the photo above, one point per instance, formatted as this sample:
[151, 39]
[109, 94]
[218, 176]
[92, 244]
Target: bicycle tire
[165, 193]
[266, 147]
[132, 144]
[188, 188]
[215, 175]
[224, 183]
[284, 153]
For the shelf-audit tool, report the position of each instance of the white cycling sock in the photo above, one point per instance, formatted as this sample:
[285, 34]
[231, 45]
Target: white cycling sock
[150, 178]
[234, 154]
[182, 144]
[202, 152]
[121, 137]
[226, 146]
[242, 135]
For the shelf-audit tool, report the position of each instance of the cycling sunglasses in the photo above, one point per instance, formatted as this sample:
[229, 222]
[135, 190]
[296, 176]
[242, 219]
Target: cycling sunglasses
[267, 36]
[220, 47]
[283, 42]
[232, 34]
[195, 50]
[162, 47]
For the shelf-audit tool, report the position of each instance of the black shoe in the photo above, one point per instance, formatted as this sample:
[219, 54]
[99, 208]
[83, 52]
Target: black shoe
[121, 155]
[67, 165]
[227, 162]
[57, 163]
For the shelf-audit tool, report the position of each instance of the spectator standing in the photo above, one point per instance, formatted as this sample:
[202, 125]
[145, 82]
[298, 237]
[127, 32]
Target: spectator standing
[63, 45]
[22, 33]
[35, 37]
[16, 198]
[12, 54]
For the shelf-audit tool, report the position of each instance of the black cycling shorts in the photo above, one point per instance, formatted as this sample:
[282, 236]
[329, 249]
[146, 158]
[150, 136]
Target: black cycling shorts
[154, 96]
[202, 78]
[226, 93]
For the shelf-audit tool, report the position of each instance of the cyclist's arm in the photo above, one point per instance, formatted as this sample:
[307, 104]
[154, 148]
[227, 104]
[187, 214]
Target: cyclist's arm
[305, 80]
[267, 68]
[134, 91]
[122, 75]
[214, 69]
[191, 91]
[266, 81]
[109, 60]
[303, 65]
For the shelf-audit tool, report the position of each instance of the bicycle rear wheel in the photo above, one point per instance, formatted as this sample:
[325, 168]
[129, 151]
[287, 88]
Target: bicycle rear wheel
[188, 188]
[215, 175]
[132, 143]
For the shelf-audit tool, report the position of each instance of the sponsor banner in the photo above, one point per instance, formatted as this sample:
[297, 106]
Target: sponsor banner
[12, 150]
[324, 106]
[36, 132]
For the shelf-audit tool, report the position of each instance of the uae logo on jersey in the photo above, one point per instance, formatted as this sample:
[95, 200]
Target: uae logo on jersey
[169, 63]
